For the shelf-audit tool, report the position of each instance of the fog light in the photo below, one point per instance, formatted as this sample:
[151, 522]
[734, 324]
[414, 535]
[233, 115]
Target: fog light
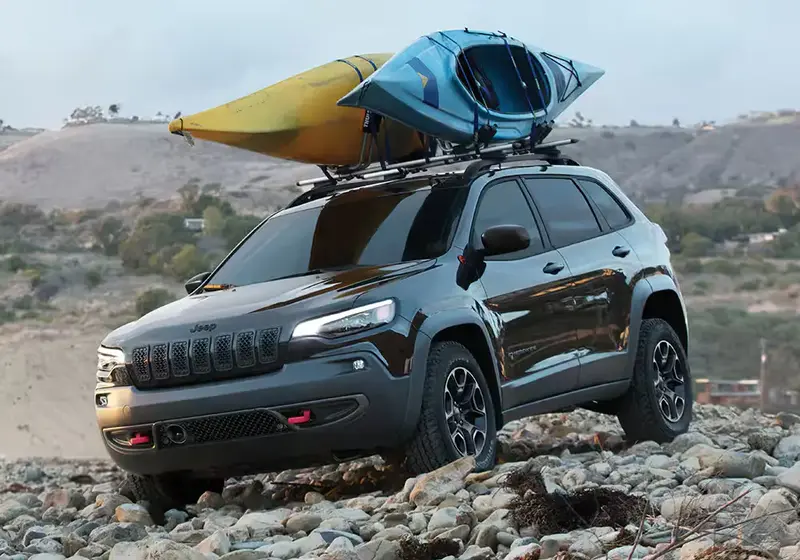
[358, 365]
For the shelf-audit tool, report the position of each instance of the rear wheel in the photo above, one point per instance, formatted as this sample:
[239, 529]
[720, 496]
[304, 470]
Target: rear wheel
[658, 405]
[170, 491]
[458, 415]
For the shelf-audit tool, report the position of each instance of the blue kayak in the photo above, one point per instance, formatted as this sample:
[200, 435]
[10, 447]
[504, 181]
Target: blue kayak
[467, 87]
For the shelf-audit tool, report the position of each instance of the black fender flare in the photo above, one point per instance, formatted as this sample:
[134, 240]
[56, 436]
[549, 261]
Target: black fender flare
[641, 292]
[428, 330]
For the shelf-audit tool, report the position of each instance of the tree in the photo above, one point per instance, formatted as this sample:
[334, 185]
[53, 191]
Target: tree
[676, 123]
[213, 221]
[189, 194]
[108, 234]
[1, 126]
[187, 263]
[696, 245]
[114, 109]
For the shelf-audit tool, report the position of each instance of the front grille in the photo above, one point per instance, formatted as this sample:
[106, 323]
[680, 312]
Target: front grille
[221, 427]
[196, 360]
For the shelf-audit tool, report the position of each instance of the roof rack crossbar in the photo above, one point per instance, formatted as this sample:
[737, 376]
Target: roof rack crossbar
[491, 155]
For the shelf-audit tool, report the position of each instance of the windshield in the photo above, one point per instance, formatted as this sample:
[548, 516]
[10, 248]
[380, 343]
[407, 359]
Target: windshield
[361, 227]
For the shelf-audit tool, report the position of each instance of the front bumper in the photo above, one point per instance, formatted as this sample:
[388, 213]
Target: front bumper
[320, 410]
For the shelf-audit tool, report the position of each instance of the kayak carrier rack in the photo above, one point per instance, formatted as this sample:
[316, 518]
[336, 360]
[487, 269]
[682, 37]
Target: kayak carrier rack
[482, 159]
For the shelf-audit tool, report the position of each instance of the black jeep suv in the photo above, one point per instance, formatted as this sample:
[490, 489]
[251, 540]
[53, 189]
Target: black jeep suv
[415, 315]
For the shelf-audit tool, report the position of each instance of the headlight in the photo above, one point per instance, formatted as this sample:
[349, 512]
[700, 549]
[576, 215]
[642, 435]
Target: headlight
[109, 360]
[348, 322]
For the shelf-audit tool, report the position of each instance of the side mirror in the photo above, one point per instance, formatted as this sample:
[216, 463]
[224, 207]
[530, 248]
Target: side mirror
[195, 281]
[501, 240]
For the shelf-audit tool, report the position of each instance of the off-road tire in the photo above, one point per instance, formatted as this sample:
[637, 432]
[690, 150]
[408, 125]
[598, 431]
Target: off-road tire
[169, 491]
[431, 446]
[638, 412]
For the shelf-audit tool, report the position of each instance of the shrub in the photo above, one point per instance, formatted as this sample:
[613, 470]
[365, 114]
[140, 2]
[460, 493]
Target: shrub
[186, 263]
[696, 245]
[749, 285]
[152, 299]
[15, 263]
[151, 234]
[94, 278]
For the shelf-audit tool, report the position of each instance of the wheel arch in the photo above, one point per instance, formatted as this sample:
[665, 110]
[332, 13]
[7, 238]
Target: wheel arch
[466, 329]
[657, 297]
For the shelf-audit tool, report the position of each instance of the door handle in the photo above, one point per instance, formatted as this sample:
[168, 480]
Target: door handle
[553, 268]
[621, 252]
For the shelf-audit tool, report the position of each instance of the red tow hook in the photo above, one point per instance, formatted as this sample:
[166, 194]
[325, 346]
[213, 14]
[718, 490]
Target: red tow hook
[304, 418]
[139, 439]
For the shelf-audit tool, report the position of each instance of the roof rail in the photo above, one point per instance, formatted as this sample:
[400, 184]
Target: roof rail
[484, 158]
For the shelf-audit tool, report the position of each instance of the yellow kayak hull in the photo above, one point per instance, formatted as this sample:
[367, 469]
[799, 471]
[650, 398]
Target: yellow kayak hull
[298, 119]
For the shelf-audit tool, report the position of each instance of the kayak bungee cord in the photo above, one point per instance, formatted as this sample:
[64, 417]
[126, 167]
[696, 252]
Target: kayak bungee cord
[524, 90]
[476, 128]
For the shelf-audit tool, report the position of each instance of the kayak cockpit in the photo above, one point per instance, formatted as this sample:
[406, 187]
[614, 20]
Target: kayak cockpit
[484, 70]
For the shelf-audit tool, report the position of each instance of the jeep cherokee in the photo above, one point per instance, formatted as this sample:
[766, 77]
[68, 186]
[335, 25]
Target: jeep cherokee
[415, 315]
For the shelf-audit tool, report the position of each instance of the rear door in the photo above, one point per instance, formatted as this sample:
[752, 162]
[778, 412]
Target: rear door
[528, 292]
[582, 219]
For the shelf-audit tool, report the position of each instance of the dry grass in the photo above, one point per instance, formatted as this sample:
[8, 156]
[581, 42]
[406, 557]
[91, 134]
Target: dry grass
[560, 513]
[412, 548]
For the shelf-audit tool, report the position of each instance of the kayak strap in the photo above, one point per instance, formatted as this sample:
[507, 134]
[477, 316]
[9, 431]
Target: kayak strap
[524, 89]
[476, 128]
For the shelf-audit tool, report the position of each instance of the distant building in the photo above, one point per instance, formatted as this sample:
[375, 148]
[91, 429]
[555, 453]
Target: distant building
[194, 224]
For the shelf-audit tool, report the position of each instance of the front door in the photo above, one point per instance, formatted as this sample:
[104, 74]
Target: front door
[529, 293]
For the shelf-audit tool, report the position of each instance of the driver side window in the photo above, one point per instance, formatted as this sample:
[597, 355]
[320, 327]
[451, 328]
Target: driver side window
[503, 203]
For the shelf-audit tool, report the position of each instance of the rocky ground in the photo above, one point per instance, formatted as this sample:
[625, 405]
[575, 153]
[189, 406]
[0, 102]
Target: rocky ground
[566, 487]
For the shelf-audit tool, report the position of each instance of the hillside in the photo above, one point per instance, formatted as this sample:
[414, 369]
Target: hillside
[91, 165]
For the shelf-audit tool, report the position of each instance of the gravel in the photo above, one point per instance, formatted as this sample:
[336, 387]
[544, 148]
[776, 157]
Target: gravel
[740, 462]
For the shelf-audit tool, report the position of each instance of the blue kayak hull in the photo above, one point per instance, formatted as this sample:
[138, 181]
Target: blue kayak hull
[449, 84]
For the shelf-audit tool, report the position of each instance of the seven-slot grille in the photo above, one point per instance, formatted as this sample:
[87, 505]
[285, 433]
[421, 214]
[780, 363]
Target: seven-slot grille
[203, 357]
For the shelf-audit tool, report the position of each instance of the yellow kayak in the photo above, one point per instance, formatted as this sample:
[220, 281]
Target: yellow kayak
[298, 119]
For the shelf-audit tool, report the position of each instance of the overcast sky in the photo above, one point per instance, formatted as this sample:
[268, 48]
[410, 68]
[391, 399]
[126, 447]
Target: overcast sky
[694, 59]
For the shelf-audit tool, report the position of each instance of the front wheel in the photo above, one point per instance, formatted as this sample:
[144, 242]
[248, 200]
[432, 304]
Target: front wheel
[458, 414]
[658, 405]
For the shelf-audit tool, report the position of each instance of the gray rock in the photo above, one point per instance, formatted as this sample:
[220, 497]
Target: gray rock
[330, 535]
[11, 509]
[430, 488]
[790, 479]
[474, 552]
[624, 552]
[518, 552]
[110, 535]
[218, 543]
[788, 451]
[245, 555]
[132, 513]
[378, 549]
[160, 549]
[306, 522]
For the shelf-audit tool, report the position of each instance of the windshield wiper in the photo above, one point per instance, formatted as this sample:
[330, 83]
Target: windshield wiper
[317, 271]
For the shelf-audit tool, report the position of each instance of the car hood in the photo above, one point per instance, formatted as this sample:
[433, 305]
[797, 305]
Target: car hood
[314, 294]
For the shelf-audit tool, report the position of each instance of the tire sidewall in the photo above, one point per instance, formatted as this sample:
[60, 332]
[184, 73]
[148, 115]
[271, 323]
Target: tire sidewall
[661, 331]
[452, 358]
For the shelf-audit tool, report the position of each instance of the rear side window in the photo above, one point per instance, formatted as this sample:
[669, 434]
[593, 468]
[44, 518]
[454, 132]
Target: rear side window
[612, 211]
[503, 203]
[566, 212]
